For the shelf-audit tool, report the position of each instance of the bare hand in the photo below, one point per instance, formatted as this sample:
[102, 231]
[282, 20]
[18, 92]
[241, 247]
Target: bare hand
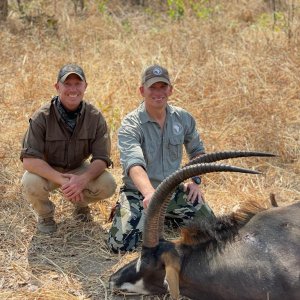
[195, 194]
[76, 199]
[147, 199]
[72, 189]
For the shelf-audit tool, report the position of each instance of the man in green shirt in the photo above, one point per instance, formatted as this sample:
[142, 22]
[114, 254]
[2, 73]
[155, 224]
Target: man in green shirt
[150, 141]
[61, 136]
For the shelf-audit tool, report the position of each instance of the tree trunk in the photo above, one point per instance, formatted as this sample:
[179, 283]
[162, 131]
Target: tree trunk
[3, 10]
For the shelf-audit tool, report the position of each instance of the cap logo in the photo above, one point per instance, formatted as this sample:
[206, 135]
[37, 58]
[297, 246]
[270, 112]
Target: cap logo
[70, 68]
[155, 74]
[157, 71]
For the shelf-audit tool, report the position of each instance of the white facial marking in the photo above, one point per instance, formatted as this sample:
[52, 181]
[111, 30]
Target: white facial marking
[138, 287]
[166, 284]
[138, 265]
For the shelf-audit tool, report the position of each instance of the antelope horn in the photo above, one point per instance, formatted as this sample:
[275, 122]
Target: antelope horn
[155, 213]
[216, 156]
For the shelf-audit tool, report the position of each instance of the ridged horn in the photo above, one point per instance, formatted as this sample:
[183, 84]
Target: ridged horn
[155, 213]
[216, 156]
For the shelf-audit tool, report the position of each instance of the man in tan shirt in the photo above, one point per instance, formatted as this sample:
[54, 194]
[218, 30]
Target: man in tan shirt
[61, 137]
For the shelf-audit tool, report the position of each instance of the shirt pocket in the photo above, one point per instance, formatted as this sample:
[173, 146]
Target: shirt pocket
[82, 149]
[55, 152]
[175, 147]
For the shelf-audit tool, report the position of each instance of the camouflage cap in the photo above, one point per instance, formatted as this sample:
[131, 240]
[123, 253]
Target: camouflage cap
[69, 69]
[155, 74]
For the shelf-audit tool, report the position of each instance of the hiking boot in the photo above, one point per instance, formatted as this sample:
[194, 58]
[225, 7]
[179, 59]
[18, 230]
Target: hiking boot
[46, 225]
[83, 214]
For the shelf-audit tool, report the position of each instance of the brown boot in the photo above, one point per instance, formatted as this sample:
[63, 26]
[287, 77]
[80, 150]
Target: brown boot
[46, 225]
[83, 214]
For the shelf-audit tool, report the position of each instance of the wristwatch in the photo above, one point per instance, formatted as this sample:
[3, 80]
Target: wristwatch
[197, 179]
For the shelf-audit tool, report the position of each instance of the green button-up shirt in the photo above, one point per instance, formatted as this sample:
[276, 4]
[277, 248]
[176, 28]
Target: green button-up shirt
[142, 142]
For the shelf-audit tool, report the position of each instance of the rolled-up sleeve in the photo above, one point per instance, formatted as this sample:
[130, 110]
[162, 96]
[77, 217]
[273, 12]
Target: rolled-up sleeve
[129, 143]
[192, 141]
[101, 145]
[33, 142]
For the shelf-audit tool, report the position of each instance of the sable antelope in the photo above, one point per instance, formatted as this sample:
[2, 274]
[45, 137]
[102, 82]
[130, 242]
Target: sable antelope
[252, 254]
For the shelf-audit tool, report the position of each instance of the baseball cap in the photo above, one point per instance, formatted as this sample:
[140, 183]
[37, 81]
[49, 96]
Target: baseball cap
[155, 74]
[69, 69]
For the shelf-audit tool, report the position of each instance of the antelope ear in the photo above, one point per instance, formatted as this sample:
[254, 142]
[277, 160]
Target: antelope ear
[172, 267]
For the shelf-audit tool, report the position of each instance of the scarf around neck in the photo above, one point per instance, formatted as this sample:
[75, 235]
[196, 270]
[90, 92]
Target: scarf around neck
[69, 117]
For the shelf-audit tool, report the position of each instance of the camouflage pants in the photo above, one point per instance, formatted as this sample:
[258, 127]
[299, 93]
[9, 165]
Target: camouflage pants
[126, 231]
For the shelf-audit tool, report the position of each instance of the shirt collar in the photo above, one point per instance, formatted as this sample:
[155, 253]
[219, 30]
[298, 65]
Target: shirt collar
[144, 116]
[56, 98]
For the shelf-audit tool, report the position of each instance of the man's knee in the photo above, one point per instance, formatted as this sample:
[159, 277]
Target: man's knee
[110, 184]
[119, 242]
[205, 212]
[33, 184]
[114, 243]
[125, 232]
[104, 186]
[181, 208]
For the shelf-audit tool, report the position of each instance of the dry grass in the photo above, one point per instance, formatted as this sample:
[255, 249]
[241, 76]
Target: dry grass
[238, 77]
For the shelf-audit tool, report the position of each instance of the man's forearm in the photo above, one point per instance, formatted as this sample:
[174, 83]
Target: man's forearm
[95, 169]
[141, 180]
[42, 168]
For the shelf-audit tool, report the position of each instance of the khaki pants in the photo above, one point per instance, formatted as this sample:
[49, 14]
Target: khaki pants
[36, 190]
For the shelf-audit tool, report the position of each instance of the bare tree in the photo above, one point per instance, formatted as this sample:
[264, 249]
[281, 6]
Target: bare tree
[3, 10]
